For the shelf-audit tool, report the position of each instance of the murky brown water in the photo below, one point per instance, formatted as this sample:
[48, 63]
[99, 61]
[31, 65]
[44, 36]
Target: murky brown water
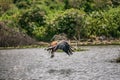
[36, 64]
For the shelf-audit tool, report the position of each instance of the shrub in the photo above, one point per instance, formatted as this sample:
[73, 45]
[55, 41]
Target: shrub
[69, 22]
[31, 19]
[23, 4]
[113, 17]
[101, 23]
[40, 33]
[96, 24]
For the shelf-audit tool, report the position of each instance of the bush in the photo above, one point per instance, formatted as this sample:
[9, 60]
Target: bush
[88, 5]
[70, 22]
[113, 17]
[40, 33]
[96, 24]
[5, 5]
[100, 23]
[32, 19]
[23, 4]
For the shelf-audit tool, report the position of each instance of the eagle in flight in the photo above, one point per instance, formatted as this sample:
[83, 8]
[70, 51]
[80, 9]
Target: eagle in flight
[63, 45]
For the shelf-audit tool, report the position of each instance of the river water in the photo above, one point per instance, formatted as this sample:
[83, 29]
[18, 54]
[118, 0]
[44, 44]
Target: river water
[96, 63]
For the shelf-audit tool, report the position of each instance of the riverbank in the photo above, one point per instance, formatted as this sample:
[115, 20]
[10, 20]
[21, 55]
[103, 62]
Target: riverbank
[86, 43]
[75, 48]
[74, 43]
[97, 42]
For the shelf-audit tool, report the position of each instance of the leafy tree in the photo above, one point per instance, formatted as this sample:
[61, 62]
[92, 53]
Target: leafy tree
[70, 22]
[104, 23]
[5, 5]
[40, 33]
[96, 24]
[115, 2]
[113, 16]
[31, 19]
[23, 4]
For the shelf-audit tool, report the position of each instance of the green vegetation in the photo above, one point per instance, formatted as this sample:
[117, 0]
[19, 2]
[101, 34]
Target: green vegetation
[78, 19]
